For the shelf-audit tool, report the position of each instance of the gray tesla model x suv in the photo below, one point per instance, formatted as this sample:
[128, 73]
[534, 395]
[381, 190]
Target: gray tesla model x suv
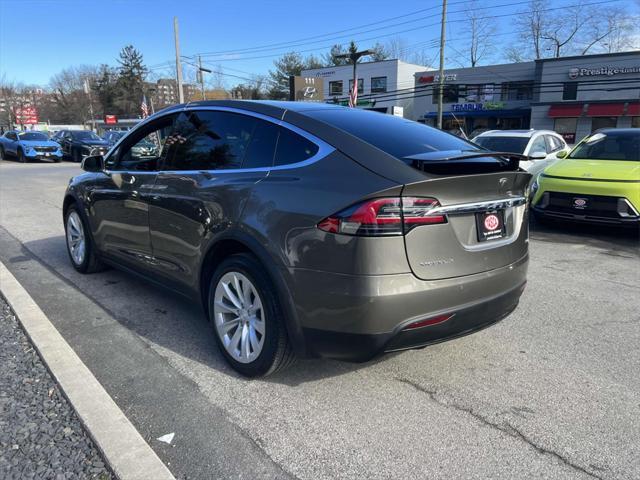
[307, 229]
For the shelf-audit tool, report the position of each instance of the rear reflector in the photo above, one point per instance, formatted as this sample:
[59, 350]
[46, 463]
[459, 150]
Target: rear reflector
[383, 217]
[429, 321]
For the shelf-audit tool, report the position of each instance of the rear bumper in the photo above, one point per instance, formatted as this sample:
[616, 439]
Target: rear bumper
[356, 318]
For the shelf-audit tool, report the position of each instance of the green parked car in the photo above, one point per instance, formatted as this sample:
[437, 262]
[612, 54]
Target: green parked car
[597, 182]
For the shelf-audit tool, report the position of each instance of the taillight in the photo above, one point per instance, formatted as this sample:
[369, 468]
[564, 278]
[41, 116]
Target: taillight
[383, 217]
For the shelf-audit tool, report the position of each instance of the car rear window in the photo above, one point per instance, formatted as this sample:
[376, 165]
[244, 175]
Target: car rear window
[394, 135]
[503, 144]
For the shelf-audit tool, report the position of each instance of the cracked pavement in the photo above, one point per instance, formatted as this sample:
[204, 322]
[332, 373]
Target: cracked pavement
[550, 392]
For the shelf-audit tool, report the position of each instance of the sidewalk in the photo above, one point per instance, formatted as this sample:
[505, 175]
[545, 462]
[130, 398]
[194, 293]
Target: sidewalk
[40, 434]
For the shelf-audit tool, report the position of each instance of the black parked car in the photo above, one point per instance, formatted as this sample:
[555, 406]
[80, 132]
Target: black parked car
[79, 144]
[112, 136]
[308, 229]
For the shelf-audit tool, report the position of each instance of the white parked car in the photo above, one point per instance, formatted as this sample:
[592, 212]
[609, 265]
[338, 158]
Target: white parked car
[542, 146]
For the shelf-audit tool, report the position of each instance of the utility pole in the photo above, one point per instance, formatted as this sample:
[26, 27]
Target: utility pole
[87, 90]
[441, 75]
[354, 57]
[201, 76]
[178, 65]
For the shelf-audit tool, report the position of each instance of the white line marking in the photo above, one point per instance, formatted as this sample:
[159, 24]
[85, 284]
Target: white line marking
[126, 452]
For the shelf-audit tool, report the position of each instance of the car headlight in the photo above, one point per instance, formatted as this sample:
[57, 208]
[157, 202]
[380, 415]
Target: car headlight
[535, 185]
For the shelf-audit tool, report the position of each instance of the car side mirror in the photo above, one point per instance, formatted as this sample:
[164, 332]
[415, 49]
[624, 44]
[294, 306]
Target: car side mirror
[561, 154]
[94, 163]
[538, 155]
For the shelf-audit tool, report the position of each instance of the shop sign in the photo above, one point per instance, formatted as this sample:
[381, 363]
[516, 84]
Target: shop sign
[306, 89]
[470, 107]
[448, 77]
[606, 70]
[110, 119]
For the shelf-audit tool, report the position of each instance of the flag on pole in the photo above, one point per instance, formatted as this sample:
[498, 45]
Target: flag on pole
[144, 107]
[353, 96]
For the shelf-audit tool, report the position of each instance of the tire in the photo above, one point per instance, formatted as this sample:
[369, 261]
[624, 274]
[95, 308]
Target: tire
[57, 160]
[3, 156]
[21, 156]
[75, 156]
[76, 232]
[261, 354]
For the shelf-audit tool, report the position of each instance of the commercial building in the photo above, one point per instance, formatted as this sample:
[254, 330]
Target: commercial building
[382, 85]
[478, 99]
[571, 95]
[580, 94]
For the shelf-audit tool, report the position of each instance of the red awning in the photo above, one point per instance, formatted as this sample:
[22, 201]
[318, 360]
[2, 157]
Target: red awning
[605, 109]
[633, 109]
[565, 110]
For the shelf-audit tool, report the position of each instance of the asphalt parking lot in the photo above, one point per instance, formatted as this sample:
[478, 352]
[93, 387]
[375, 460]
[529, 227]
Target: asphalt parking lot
[551, 392]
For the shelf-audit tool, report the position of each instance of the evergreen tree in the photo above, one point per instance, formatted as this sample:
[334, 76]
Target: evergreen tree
[289, 64]
[106, 88]
[132, 72]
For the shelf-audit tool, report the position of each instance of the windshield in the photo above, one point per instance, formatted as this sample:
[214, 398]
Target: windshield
[85, 135]
[33, 136]
[609, 146]
[503, 144]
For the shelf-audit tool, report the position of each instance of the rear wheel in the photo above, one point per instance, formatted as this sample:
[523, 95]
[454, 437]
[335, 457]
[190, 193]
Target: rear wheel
[3, 155]
[79, 244]
[247, 317]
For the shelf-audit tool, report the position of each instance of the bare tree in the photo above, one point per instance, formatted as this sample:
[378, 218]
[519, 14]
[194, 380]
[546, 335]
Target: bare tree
[561, 33]
[482, 30]
[70, 102]
[613, 30]
[397, 48]
[531, 24]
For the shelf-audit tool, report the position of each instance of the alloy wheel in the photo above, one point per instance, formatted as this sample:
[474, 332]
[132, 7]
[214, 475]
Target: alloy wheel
[76, 242]
[239, 317]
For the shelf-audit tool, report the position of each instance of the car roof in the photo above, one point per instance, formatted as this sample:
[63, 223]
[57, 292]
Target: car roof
[516, 133]
[618, 131]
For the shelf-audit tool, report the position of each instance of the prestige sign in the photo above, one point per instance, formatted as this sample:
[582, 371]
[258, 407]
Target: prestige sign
[606, 70]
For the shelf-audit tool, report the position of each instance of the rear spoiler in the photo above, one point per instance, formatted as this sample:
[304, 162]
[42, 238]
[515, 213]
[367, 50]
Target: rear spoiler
[512, 162]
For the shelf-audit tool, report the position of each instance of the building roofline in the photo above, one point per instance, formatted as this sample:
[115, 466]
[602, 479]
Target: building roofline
[594, 55]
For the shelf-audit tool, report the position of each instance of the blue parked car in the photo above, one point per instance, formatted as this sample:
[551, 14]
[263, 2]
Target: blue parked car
[30, 145]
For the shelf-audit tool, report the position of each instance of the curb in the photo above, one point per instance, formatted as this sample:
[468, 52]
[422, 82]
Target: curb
[124, 449]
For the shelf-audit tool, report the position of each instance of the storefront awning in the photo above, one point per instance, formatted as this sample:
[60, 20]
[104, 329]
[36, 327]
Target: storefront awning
[605, 109]
[483, 113]
[633, 109]
[574, 110]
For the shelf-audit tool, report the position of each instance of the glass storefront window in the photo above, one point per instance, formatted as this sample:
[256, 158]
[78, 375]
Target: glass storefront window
[335, 88]
[566, 127]
[517, 90]
[570, 91]
[378, 84]
[635, 122]
[603, 122]
[450, 94]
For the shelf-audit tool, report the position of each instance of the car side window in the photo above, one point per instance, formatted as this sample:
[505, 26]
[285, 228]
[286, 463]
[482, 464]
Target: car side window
[144, 148]
[12, 136]
[210, 140]
[293, 148]
[262, 146]
[538, 146]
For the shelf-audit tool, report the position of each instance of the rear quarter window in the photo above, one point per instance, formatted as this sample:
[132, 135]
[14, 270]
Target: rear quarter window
[293, 148]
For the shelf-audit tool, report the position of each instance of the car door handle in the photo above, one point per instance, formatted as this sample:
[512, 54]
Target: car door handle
[130, 179]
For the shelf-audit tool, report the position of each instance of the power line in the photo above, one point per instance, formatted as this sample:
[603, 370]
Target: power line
[408, 30]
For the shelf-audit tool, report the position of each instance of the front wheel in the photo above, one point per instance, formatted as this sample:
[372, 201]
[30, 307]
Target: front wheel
[76, 157]
[79, 244]
[21, 157]
[247, 317]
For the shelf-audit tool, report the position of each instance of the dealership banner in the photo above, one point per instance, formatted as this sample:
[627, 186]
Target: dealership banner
[26, 115]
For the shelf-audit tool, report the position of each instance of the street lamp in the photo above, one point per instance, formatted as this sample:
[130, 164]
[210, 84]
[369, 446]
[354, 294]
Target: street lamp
[354, 57]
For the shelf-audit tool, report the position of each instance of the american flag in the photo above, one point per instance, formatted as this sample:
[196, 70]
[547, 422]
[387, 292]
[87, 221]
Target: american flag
[353, 95]
[143, 107]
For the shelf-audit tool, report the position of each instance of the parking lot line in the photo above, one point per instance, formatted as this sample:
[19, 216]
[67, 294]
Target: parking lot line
[127, 453]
